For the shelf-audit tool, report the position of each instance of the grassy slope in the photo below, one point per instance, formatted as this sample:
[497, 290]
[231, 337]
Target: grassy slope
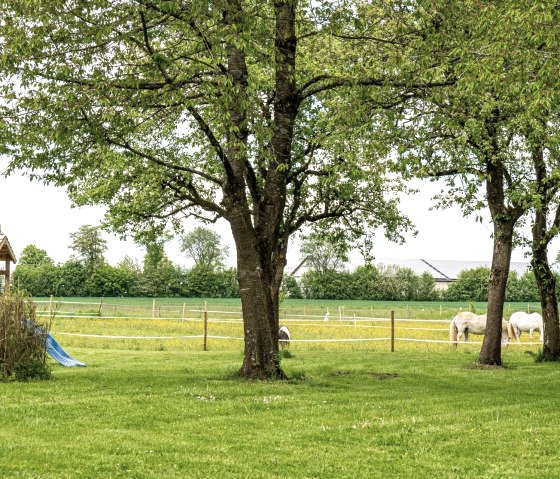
[362, 413]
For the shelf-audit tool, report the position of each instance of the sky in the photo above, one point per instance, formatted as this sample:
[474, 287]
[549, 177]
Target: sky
[34, 213]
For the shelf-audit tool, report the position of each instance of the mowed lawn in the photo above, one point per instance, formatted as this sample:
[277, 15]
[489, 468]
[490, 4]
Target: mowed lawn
[358, 413]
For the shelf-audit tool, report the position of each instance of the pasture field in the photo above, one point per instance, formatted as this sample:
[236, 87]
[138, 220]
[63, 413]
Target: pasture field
[152, 404]
[289, 308]
[354, 413]
[178, 325]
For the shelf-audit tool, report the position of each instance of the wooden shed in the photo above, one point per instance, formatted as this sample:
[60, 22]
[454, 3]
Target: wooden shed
[7, 256]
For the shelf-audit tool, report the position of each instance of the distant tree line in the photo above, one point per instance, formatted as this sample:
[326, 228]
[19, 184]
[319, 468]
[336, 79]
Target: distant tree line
[88, 274]
[327, 279]
[394, 283]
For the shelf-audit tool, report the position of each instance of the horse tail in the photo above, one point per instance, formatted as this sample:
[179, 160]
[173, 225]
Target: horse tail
[453, 333]
[510, 330]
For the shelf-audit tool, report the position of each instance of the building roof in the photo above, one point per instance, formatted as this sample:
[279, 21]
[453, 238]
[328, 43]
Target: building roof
[6, 252]
[447, 270]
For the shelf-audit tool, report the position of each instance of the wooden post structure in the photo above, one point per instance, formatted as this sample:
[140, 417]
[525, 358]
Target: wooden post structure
[392, 331]
[204, 341]
[183, 314]
[154, 308]
[6, 255]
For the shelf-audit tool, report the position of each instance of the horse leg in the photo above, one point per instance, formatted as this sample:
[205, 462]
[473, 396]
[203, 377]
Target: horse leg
[466, 335]
[531, 334]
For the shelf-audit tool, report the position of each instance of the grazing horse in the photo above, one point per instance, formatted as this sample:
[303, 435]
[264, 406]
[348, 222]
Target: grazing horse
[284, 337]
[466, 322]
[522, 321]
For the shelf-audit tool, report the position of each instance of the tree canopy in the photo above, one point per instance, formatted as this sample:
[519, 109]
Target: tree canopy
[204, 247]
[269, 115]
[89, 245]
[165, 110]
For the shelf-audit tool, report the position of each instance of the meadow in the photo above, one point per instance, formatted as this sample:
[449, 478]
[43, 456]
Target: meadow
[152, 404]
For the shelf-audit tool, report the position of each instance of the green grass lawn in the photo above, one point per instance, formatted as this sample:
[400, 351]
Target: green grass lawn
[351, 413]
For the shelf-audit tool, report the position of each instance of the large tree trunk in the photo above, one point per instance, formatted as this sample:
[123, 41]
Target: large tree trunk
[504, 217]
[491, 352]
[259, 287]
[546, 282]
[255, 212]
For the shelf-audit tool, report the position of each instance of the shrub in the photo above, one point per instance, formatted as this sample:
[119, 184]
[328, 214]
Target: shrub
[23, 353]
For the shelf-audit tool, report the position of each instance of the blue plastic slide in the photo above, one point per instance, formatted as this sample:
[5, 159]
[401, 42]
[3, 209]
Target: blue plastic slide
[59, 355]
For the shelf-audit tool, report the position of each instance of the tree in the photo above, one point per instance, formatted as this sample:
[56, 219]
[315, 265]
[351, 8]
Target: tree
[165, 109]
[90, 246]
[36, 280]
[471, 285]
[329, 285]
[473, 132]
[204, 247]
[366, 283]
[321, 255]
[33, 256]
[426, 290]
[106, 280]
[291, 287]
[160, 278]
[71, 279]
[203, 283]
[545, 196]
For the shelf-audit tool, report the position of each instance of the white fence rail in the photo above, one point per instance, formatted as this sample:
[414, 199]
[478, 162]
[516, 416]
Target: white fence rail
[390, 329]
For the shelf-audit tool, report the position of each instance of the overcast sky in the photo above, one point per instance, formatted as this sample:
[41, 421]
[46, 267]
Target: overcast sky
[33, 213]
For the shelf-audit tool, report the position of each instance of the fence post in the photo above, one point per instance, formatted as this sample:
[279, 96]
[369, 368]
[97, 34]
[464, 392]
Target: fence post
[528, 308]
[154, 308]
[205, 325]
[392, 331]
[100, 305]
[50, 306]
[183, 314]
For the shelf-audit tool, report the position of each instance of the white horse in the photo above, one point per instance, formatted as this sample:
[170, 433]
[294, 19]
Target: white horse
[466, 322]
[522, 321]
[284, 337]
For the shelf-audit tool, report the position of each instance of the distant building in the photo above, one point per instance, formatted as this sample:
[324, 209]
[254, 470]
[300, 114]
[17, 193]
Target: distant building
[444, 271]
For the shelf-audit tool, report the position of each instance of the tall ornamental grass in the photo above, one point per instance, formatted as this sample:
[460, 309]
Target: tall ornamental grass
[23, 353]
